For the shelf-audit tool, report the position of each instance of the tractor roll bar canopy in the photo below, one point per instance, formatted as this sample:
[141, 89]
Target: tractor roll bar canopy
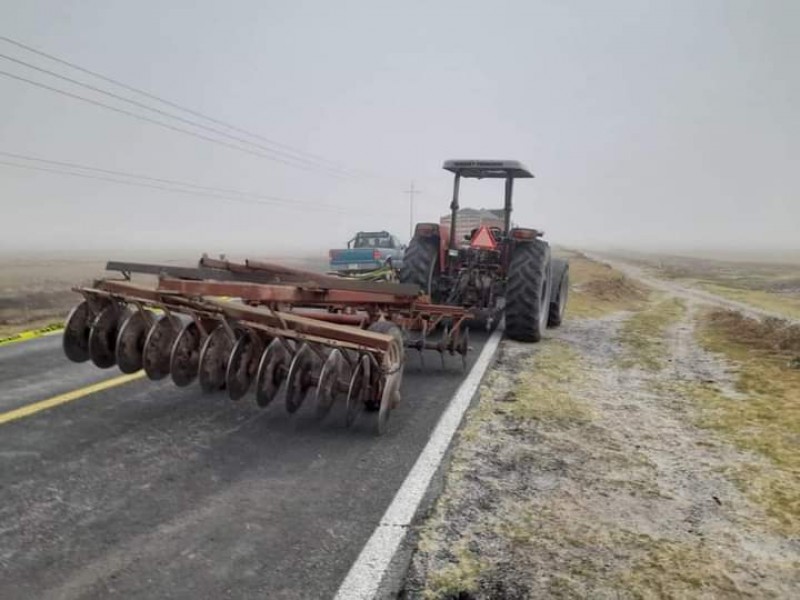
[485, 169]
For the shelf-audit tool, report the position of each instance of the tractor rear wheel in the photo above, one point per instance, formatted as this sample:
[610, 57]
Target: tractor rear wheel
[421, 265]
[559, 293]
[528, 291]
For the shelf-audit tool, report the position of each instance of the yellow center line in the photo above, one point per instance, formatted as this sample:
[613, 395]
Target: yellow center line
[30, 409]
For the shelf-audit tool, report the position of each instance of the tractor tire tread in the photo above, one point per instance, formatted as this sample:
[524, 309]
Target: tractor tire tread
[417, 261]
[528, 276]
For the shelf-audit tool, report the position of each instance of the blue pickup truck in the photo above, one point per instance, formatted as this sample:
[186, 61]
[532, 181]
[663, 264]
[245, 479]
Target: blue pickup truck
[367, 251]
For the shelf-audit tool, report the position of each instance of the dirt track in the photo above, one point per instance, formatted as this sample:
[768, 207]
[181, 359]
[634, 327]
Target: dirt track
[583, 473]
[688, 293]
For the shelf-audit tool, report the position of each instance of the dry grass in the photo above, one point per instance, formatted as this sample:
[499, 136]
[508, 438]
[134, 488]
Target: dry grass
[781, 303]
[597, 289]
[542, 392]
[538, 396]
[766, 418]
[771, 286]
[774, 338]
[520, 516]
[643, 334]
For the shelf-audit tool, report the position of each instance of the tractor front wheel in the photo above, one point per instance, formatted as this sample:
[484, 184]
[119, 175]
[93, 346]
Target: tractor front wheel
[421, 265]
[528, 291]
[559, 292]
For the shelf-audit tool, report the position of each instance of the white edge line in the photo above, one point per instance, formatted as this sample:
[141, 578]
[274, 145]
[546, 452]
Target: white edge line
[364, 578]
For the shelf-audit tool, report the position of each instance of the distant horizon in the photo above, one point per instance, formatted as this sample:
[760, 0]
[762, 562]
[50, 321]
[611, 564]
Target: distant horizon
[762, 253]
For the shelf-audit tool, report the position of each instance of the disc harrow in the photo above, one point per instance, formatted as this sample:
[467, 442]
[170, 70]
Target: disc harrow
[263, 328]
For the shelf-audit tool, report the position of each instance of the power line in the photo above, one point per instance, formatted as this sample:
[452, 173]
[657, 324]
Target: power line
[149, 120]
[165, 113]
[272, 201]
[162, 100]
[173, 182]
[71, 165]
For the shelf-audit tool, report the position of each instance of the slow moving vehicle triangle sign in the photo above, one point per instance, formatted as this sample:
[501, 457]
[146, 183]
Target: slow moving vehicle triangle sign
[484, 239]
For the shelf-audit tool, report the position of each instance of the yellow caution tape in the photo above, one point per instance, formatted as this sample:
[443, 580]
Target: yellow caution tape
[54, 328]
[32, 334]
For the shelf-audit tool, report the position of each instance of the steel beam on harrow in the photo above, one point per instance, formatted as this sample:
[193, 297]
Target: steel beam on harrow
[219, 270]
[278, 274]
[286, 294]
[275, 320]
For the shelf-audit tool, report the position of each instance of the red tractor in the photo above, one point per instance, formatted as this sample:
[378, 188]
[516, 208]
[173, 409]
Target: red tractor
[493, 270]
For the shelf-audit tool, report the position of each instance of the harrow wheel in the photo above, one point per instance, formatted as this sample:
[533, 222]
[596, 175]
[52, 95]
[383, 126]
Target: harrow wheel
[158, 346]
[130, 340]
[300, 378]
[76, 333]
[388, 386]
[103, 336]
[214, 359]
[184, 360]
[358, 390]
[243, 364]
[331, 380]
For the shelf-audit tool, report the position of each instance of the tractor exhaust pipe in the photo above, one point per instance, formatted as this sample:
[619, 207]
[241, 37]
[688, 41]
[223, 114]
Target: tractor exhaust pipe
[507, 212]
[454, 211]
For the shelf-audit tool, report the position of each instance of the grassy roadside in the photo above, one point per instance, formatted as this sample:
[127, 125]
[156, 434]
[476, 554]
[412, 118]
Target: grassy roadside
[784, 304]
[765, 418]
[643, 334]
[774, 287]
[597, 289]
[498, 448]
[580, 473]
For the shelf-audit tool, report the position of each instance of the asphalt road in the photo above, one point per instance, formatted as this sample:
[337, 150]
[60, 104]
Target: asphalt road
[151, 491]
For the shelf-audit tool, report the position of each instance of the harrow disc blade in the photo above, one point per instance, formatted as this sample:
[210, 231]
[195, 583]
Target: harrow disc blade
[390, 376]
[158, 346]
[103, 336]
[243, 364]
[130, 340]
[328, 387]
[389, 398]
[214, 359]
[76, 333]
[358, 390]
[300, 378]
[463, 346]
[185, 355]
[272, 372]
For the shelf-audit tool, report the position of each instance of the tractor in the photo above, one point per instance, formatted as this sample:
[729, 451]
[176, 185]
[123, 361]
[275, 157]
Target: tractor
[493, 271]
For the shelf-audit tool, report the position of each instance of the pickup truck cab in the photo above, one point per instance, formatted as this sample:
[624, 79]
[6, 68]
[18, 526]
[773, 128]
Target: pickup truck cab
[367, 251]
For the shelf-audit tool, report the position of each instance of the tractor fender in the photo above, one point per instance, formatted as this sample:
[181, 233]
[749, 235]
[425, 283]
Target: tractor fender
[525, 234]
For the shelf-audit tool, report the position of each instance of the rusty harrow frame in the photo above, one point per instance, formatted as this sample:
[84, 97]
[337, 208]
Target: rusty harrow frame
[288, 330]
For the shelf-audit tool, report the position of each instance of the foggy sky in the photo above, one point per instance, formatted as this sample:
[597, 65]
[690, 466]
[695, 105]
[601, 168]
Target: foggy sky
[653, 124]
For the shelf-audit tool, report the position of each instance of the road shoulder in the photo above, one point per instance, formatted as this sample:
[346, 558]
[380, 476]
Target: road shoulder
[597, 465]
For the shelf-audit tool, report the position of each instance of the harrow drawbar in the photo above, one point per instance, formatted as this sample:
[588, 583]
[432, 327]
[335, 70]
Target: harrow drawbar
[285, 332]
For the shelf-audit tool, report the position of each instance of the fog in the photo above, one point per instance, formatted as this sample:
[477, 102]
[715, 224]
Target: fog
[648, 124]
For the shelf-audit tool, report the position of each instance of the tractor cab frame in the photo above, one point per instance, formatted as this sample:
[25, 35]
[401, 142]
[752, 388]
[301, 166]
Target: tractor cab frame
[485, 169]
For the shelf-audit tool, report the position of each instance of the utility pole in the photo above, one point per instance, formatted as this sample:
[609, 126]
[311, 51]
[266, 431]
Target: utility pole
[411, 191]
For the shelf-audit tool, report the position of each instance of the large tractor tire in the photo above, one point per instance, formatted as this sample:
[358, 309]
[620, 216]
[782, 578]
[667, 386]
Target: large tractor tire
[560, 291]
[421, 265]
[528, 291]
